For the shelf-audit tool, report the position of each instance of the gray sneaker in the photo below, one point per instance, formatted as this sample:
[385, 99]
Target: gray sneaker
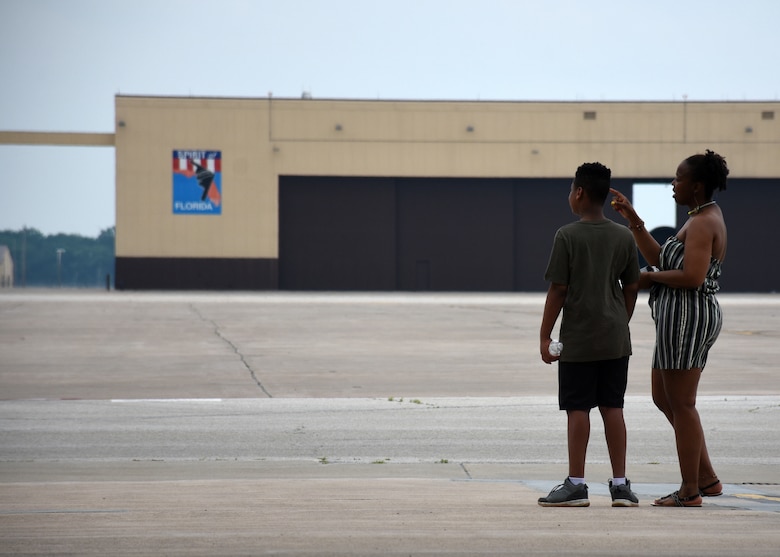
[566, 495]
[622, 496]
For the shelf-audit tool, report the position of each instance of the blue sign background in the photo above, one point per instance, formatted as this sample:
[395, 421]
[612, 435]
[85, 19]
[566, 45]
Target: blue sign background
[197, 182]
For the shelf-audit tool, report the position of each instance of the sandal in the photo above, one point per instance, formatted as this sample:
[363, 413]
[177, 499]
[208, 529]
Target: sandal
[704, 493]
[674, 500]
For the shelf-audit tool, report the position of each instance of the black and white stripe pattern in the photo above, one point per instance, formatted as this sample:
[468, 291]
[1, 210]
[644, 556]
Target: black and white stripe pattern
[687, 321]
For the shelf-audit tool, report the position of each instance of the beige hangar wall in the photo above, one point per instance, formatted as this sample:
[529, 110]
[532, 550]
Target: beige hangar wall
[264, 138]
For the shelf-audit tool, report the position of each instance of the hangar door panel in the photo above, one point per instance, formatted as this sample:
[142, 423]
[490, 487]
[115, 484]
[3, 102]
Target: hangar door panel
[336, 233]
[541, 207]
[455, 235]
[749, 266]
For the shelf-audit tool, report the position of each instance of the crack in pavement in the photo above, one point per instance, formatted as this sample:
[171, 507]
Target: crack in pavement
[235, 349]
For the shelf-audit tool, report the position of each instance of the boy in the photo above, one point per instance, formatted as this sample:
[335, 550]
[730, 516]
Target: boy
[594, 277]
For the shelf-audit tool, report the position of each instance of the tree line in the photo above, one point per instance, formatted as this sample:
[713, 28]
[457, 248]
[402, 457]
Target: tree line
[66, 260]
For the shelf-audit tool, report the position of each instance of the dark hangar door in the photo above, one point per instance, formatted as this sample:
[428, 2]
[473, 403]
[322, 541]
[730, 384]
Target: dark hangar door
[455, 235]
[541, 207]
[336, 233]
[382, 234]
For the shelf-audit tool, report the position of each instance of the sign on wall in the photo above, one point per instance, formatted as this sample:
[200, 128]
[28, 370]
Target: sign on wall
[197, 182]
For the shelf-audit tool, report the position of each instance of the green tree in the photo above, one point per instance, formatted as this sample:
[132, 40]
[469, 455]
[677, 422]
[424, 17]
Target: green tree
[82, 262]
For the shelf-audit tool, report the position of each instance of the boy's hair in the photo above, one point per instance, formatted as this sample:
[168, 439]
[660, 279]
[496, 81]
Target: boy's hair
[593, 178]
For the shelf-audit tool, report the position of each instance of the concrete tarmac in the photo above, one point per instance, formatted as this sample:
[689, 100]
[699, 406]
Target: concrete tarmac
[352, 424]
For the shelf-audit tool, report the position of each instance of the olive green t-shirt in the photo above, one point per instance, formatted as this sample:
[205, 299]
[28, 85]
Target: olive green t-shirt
[593, 258]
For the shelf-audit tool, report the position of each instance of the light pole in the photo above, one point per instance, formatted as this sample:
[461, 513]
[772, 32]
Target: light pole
[60, 251]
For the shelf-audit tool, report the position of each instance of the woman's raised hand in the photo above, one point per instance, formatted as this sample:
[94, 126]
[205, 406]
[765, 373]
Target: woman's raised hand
[622, 205]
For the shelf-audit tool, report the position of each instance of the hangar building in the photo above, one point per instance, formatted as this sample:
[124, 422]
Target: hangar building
[375, 195]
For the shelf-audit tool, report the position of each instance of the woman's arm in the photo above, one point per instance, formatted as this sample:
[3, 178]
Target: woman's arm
[696, 261]
[648, 247]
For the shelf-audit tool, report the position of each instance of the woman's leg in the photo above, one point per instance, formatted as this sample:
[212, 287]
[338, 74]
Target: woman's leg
[707, 473]
[680, 387]
[659, 394]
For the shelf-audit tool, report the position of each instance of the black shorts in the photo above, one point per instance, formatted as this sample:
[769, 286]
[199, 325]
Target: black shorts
[585, 385]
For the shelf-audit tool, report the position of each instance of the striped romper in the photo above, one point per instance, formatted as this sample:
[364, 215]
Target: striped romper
[687, 321]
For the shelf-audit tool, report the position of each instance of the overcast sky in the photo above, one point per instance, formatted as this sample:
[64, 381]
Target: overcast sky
[63, 61]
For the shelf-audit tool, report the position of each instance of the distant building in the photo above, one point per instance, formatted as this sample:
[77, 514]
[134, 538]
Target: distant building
[6, 268]
[372, 195]
[382, 195]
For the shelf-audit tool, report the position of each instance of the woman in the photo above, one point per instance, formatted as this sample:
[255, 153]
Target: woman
[686, 314]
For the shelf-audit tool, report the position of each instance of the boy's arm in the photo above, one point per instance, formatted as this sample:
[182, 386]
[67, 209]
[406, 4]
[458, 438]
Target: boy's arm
[630, 292]
[556, 296]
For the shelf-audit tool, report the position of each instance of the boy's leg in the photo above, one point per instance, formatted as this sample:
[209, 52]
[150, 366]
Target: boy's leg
[615, 432]
[612, 391]
[578, 436]
[575, 391]
[611, 394]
